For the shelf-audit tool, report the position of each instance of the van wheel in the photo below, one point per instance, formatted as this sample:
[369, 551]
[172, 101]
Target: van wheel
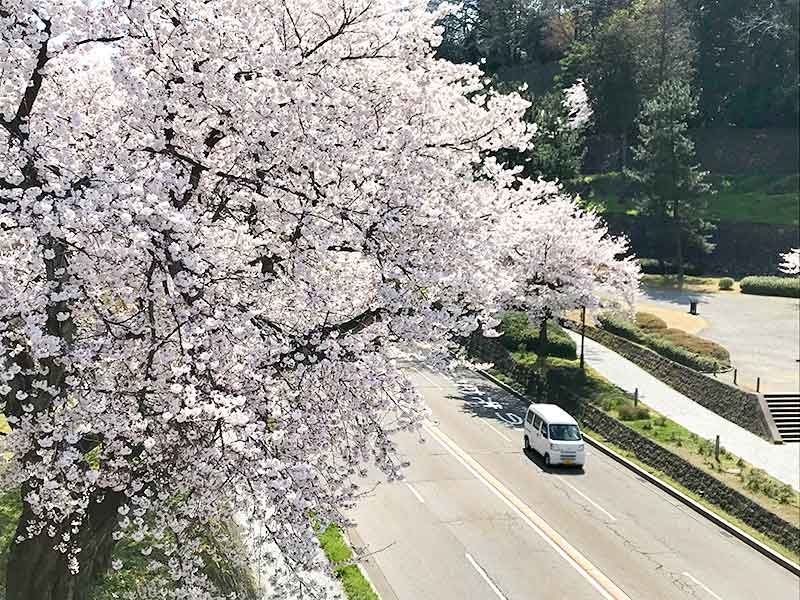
[526, 444]
[547, 461]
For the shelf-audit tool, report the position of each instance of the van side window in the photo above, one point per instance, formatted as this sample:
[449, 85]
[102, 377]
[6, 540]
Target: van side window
[537, 421]
[530, 416]
[544, 429]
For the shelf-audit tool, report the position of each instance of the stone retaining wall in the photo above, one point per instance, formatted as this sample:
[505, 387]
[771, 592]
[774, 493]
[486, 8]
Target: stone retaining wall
[694, 479]
[647, 451]
[734, 404]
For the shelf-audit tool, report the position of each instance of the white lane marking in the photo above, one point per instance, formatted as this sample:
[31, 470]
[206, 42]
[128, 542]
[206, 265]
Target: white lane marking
[710, 593]
[415, 492]
[596, 578]
[498, 432]
[483, 574]
[590, 501]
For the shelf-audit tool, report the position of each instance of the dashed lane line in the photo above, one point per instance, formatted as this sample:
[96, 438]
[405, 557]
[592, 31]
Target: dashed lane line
[596, 578]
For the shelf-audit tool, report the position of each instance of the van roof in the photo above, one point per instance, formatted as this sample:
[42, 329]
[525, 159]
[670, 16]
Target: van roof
[553, 414]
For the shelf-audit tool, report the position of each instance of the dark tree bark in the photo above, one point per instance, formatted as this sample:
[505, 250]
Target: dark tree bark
[679, 252]
[36, 571]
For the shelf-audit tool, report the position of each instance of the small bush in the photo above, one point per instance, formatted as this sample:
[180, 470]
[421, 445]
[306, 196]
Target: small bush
[726, 283]
[621, 327]
[788, 287]
[784, 493]
[650, 322]
[756, 481]
[629, 412]
[661, 421]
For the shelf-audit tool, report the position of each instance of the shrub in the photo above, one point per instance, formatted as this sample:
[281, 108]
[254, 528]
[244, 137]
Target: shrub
[757, 481]
[649, 322]
[667, 349]
[629, 412]
[519, 336]
[652, 266]
[696, 345]
[788, 287]
[677, 345]
[661, 421]
[726, 283]
[514, 326]
[621, 327]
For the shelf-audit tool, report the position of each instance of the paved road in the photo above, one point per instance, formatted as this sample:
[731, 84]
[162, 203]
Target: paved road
[762, 333]
[478, 519]
[781, 461]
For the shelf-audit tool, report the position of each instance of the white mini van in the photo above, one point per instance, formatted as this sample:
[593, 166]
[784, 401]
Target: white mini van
[553, 433]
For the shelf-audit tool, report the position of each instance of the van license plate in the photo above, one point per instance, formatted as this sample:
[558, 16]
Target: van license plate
[568, 461]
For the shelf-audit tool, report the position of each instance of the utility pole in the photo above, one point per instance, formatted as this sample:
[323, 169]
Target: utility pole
[583, 332]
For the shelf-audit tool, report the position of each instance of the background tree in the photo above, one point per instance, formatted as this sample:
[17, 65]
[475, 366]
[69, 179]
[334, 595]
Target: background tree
[558, 143]
[607, 65]
[671, 186]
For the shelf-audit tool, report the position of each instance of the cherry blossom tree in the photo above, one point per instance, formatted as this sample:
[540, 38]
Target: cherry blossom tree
[790, 262]
[559, 257]
[218, 220]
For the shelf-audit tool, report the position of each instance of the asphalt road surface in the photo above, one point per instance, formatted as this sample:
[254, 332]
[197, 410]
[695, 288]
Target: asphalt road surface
[478, 519]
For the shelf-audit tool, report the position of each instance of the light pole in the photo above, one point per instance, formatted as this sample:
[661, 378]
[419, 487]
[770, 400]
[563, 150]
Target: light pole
[583, 331]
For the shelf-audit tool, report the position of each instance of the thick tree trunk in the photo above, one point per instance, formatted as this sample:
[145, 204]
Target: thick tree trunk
[679, 254]
[623, 150]
[38, 572]
[541, 349]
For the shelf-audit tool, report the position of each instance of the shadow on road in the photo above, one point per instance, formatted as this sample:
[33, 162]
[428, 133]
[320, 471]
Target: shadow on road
[482, 399]
[534, 457]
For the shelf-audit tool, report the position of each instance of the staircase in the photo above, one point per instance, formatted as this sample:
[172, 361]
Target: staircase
[785, 409]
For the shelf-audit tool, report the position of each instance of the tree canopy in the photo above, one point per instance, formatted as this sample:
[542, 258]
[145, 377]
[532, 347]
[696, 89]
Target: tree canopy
[220, 224]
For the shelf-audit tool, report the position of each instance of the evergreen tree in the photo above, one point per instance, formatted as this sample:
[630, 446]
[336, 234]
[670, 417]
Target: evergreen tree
[672, 187]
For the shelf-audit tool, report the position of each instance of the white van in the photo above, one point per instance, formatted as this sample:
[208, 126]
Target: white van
[553, 433]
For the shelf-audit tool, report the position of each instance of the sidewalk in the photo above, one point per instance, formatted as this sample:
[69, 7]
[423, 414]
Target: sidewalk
[780, 461]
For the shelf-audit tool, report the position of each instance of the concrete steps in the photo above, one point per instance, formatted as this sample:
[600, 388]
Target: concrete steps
[785, 410]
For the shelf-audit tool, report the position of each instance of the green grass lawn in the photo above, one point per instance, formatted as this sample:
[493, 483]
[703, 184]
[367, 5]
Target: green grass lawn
[355, 585]
[772, 199]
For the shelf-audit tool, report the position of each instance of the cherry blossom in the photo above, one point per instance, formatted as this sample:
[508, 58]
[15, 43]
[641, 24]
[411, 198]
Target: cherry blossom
[790, 262]
[218, 223]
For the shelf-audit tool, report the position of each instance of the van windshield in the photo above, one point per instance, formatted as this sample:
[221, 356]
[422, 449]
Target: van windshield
[565, 433]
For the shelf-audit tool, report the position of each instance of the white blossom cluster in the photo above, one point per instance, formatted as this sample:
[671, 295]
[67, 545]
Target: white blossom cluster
[217, 221]
[790, 262]
[576, 101]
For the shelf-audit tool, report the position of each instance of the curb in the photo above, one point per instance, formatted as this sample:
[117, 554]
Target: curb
[677, 494]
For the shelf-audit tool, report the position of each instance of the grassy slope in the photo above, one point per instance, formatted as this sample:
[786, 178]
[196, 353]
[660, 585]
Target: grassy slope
[738, 198]
[734, 472]
[355, 585]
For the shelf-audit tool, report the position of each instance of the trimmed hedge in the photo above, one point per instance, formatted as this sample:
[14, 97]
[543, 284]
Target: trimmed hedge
[622, 327]
[691, 351]
[788, 287]
[698, 362]
[519, 336]
[651, 266]
[695, 344]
